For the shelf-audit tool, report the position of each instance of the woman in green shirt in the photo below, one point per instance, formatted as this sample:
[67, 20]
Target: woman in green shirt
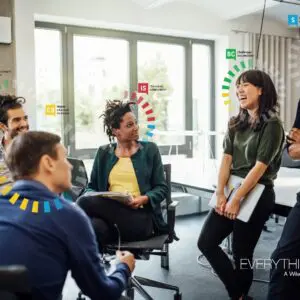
[252, 150]
[128, 166]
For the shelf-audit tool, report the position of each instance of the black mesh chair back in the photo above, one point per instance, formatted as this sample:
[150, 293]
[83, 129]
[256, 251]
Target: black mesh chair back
[79, 179]
[14, 283]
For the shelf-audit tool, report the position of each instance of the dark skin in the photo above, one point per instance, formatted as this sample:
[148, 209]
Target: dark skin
[127, 136]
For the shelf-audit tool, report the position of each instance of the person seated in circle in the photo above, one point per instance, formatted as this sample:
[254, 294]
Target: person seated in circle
[130, 166]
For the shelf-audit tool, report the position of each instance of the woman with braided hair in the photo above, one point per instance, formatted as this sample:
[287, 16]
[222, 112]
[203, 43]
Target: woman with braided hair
[127, 165]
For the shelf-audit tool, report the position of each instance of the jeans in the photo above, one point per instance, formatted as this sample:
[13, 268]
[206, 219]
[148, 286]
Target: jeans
[133, 224]
[245, 237]
[285, 272]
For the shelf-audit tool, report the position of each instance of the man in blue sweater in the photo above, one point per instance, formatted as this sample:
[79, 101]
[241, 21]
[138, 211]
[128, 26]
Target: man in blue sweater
[47, 234]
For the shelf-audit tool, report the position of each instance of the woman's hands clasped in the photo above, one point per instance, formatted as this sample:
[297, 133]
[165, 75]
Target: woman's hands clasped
[230, 209]
[221, 203]
[138, 201]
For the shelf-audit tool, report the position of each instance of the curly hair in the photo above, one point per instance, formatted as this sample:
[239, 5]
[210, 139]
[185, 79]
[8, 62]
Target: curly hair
[9, 102]
[268, 101]
[113, 115]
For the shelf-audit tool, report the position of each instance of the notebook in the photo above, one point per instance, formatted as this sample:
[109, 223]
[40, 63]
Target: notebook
[121, 197]
[248, 204]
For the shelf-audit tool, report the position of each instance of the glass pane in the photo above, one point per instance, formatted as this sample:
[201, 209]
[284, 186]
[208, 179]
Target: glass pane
[101, 72]
[201, 99]
[48, 80]
[162, 68]
[201, 87]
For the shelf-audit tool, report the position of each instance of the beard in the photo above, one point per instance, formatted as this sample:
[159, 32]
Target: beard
[14, 132]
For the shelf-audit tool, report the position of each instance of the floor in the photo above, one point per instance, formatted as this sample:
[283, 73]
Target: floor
[195, 281]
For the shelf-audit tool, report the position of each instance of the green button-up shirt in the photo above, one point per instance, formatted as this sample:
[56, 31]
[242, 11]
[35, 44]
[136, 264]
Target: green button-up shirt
[149, 171]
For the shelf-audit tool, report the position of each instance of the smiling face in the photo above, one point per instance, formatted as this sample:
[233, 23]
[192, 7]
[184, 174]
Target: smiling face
[129, 129]
[248, 95]
[17, 121]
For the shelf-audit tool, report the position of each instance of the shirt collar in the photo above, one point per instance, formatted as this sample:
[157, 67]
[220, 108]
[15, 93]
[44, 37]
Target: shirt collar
[25, 183]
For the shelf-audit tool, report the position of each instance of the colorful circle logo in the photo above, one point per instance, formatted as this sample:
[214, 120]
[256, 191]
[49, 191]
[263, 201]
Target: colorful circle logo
[148, 111]
[36, 206]
[236, 70]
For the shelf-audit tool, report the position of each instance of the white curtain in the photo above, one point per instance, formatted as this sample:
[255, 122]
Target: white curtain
[280, 58]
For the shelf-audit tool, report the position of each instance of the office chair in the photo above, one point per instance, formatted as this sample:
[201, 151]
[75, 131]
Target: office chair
[14, 283]
[79, 179]
[156, 245]
[287, 161]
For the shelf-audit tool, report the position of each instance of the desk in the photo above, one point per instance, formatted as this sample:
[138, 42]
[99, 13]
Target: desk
[196, 178]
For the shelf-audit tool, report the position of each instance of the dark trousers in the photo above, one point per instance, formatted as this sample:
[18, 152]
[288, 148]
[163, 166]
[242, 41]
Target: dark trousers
[285, 272]
[133, 224]
[245, 237]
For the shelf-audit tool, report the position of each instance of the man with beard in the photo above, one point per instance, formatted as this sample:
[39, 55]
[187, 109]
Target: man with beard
[13, 120]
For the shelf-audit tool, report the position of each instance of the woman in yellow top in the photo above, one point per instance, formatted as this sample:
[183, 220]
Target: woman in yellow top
[128, 166]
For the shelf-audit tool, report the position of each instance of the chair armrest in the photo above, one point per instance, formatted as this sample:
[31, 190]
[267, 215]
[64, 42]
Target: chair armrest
[171, 221]
[173, 205]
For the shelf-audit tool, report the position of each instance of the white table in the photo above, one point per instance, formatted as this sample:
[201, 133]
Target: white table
[286, 186]
[192, 174]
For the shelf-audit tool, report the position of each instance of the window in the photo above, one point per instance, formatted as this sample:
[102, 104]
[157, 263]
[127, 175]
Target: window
[203, 120]
[80, 68]
[162, 66]
[48, 79]
[101, 72]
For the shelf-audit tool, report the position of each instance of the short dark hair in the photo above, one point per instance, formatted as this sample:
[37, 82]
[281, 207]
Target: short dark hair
[113, 114]
[268, 104]
[9, 102]
[25, 151]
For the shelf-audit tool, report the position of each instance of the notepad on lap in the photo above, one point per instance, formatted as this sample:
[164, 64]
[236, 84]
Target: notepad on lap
[248, 204]
[121, 197]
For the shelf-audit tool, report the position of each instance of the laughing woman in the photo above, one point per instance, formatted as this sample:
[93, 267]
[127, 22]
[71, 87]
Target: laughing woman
[252, 150]
[129, 165]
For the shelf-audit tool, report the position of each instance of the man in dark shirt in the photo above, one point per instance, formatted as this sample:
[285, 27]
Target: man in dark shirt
[47, 234]
[285, 272]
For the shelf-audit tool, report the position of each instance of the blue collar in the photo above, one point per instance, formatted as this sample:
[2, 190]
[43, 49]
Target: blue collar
[25, 184]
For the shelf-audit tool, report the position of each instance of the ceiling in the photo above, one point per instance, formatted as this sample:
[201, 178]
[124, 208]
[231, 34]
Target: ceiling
[281, 11]
[231, 9]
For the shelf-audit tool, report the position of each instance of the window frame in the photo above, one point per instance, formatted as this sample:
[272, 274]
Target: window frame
[67, 75]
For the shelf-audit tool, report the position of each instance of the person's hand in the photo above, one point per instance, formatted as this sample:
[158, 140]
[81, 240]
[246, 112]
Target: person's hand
[294, 151]
[221, 203]
[294, 136]
[127, 258]
[232, 209]
[138, 201]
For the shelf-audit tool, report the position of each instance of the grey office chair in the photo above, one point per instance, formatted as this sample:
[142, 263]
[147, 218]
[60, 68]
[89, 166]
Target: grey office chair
[14, 283]
[156, 245]
[287, 161]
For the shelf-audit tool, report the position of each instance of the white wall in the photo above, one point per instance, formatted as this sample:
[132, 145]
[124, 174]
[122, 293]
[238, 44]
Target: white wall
[176, 19]
[125, 14]
[252, 23]
[172, 18]
[25, 62]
